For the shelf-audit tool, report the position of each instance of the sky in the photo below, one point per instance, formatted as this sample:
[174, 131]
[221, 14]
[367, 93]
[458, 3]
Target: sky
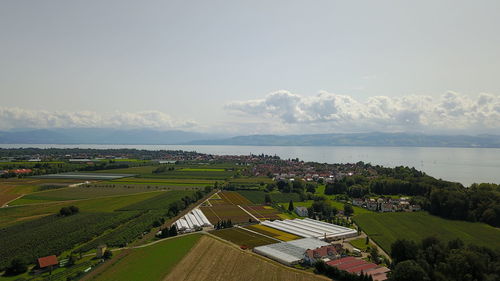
[252, 67]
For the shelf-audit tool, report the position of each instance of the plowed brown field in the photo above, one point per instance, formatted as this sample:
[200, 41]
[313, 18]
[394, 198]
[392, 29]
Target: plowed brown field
[211, 259]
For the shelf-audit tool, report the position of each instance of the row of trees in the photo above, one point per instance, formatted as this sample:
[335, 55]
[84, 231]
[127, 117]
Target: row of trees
[223, 224]
[323, 209]
[168, 232]
[68, 211]
[432, 259]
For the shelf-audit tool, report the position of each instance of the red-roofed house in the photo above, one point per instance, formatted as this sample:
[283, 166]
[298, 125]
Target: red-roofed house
[47, 262]
[364, 267]
[325, 252]
[341, 261]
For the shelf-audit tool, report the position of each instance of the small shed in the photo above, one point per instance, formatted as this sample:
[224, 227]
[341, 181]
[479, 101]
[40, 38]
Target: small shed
[48, 262]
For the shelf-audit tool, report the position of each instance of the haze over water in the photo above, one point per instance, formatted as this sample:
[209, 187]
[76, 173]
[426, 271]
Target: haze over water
[464, 165]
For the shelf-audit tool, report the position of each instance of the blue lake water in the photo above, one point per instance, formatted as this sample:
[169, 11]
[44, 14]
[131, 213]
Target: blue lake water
[464, 165]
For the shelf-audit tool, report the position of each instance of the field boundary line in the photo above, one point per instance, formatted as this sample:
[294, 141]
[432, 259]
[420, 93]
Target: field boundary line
[73, 200]
[226, 198]
[7, 203]
[248, 213]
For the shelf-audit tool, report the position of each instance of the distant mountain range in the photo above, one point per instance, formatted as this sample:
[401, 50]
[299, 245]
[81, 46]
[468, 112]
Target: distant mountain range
[361, 139]
[147, 136]
[100, 136]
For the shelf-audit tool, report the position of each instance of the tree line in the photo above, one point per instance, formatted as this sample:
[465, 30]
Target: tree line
[477, 203]
[433, 259]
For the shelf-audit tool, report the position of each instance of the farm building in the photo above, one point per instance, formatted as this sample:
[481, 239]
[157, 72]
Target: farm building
[192, 220]
[358, 266]
[48, 262]
[291, 252]
[301, 211]
[325, 253]
[312, 228]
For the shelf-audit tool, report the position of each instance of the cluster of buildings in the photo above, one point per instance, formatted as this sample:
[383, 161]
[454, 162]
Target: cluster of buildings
[386, 204]
[318, 245]
[358, 266]
[192, 221]
[16, 171]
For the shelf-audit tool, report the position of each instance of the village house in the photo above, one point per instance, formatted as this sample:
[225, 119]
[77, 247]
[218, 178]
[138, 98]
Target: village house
[48, 263]
[386, 207]
[325, 253]
[358, 202]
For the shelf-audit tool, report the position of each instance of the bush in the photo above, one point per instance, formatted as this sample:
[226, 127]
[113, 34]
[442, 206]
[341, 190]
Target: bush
[16, 267]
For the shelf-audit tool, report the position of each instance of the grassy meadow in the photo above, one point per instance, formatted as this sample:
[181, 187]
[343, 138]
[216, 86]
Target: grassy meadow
[385, 228]
[151, 263]
[16, 214]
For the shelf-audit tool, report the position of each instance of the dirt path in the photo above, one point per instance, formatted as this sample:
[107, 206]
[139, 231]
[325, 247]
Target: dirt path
[250, 214]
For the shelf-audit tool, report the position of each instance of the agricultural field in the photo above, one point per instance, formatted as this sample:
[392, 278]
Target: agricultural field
[160, 201]
[77, 193]
[385, 228]
[11, 189]
[150, 263]
[217, 213]
[54, 234]
[242, 237]
[17, 214]
[183, 173]
[234, 198]
[269, 231]
[140, 170]
[201, 170]
[163, 182]
[251, 180]
[258, 196]
[263, 212]
[216, 260]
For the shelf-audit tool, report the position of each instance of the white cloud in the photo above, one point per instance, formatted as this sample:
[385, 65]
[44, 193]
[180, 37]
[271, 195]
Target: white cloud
[11, 118]
[450, 112]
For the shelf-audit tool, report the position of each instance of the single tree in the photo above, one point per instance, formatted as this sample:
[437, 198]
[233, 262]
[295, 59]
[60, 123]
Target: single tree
[290, 206]
[107, 255]
[409, 271]
[348, 210]
[267, 199]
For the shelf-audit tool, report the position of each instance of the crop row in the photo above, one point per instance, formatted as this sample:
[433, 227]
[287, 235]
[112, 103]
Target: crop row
[54, 234]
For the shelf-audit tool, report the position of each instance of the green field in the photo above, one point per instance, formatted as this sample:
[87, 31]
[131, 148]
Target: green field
[385, 228]
[76, 193]
[200, 170]
[193, 182]
[161, 201]
[258, 196]
[133, 170]
[16, 214]
[359, 243]
[183, 173]
[151, 263]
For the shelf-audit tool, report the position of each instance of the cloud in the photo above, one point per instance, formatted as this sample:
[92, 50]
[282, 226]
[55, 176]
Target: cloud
[11, 118]
[451, 112]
